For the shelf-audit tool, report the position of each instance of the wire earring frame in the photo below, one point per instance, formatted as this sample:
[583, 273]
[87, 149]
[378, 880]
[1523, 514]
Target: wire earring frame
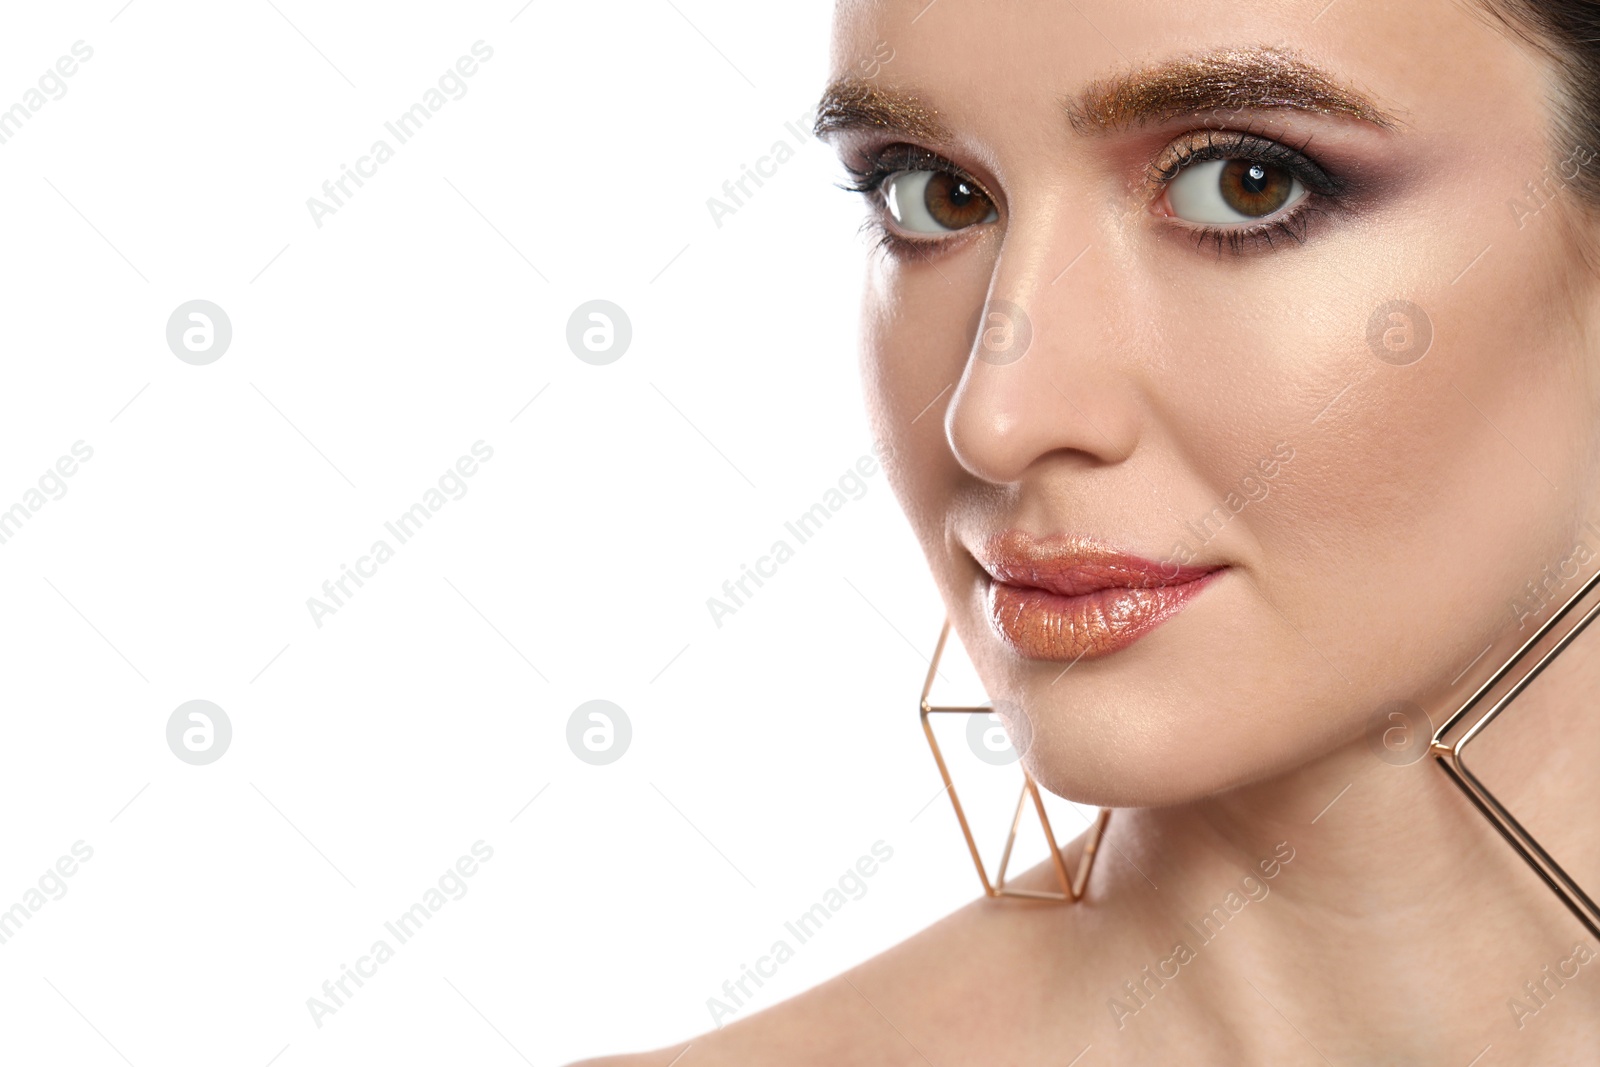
[1483, 706]
[1071, 888]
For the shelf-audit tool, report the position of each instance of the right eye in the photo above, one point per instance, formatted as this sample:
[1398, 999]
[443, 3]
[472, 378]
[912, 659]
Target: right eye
[1222, 191]
[933, 201]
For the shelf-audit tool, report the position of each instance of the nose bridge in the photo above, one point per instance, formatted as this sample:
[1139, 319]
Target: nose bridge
[1042, 374]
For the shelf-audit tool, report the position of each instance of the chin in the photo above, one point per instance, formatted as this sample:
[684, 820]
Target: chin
[1140, 773]
[1119, 736]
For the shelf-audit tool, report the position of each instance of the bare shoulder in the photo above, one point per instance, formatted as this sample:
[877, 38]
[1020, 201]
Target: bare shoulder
[948, 993]
[818, 1026]
[659, 1058]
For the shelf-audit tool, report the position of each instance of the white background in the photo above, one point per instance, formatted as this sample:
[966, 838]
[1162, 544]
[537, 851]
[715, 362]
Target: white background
[425, 714]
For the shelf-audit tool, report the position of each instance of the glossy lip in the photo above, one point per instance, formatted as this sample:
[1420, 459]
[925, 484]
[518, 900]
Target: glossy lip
[1066, 598]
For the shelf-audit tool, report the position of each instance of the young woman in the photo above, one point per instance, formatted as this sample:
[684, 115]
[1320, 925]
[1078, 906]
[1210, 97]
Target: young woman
[1238, 366]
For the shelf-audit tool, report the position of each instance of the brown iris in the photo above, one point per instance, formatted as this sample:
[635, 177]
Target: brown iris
[1253, 188]
[955, 203]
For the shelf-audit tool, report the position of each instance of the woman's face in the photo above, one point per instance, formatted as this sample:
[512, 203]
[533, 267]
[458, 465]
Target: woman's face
[1267, 299]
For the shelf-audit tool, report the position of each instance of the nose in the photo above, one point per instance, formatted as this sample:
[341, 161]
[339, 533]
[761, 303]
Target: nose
[1051, 371]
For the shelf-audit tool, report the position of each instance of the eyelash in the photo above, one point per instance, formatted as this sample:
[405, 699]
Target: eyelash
[1323, 188]
[868, 181]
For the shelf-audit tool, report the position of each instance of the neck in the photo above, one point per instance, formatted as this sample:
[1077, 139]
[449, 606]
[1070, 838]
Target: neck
[1373, 907]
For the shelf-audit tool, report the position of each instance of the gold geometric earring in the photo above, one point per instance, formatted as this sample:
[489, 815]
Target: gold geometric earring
[1071, 888]
[1481, 708]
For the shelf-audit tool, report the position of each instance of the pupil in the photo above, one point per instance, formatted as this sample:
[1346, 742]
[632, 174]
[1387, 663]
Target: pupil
[961, 194]
[1255, 179]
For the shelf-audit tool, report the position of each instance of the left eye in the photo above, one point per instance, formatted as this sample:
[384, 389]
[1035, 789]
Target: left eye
[1224, 191]
[931, 201]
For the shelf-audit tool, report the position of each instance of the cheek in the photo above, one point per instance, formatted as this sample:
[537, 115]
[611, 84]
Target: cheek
[914, 345]
[1421, 497]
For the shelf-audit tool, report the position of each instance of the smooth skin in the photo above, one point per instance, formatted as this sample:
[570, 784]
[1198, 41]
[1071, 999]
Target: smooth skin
[1386, 555]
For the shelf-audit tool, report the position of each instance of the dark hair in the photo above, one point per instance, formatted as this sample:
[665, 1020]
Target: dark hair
[1567, 32]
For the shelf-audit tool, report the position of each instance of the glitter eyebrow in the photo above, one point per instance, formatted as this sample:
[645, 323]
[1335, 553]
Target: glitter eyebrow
[1227, 80]
[852, 104]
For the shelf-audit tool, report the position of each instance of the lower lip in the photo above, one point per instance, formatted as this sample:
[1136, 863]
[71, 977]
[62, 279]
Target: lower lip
[1047, 626]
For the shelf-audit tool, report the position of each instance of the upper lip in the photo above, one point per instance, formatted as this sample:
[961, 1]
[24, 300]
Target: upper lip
[1071, 565]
